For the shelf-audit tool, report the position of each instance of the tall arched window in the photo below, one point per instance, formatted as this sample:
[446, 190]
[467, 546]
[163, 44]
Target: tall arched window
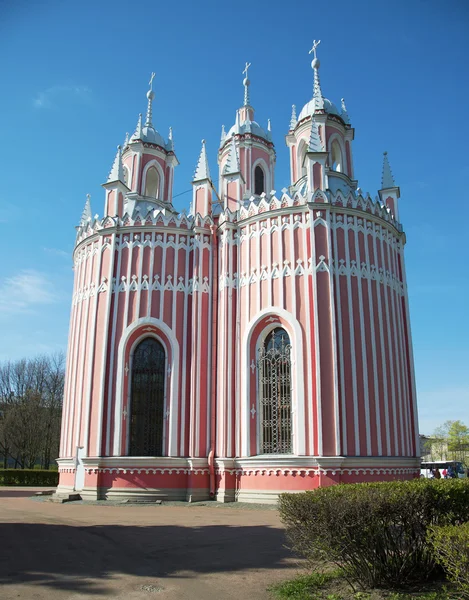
[302, 149]
[152, 183]
[127, 176]
[259, 180]
[336, 157]
[147, 399]
[274, 371]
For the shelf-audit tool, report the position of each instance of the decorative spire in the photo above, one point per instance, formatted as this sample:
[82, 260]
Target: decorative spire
[202, 171]
[86, 214]
[232, 164]
[126, 141]
[117, 171]
[293, 119]
[387, 180]
[246, 84]
[344, 113]
[170, 144]
[150, 96]
[315, 144]
[269, 127]
[315, 64]
[223, 134]
[138, 134]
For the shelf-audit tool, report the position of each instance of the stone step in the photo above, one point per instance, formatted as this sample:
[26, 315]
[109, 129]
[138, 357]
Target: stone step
[62, 498]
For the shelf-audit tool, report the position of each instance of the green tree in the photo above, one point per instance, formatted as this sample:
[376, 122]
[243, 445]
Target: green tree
[458, 441]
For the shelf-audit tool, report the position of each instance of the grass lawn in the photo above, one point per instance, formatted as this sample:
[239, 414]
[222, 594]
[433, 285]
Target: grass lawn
[331, 585]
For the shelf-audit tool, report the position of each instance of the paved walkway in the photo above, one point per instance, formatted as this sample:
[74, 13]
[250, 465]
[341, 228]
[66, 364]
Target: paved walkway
[79, 551]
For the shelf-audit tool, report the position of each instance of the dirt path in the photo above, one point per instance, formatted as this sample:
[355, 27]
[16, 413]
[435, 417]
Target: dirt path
[77, 551]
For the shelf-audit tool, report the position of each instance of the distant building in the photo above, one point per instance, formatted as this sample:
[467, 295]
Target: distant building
[259, 344]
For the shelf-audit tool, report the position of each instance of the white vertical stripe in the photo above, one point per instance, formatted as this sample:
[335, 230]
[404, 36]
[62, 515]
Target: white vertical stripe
[106, 337]
[141, 253]
[411, 359]
[259, 282]
[92, 349]
[397, 367]
[185, 363]
[375, 233]
[352, 338]
[199, 346]
[376, 398]
[334, 335]
[309, 350]
[316, 335]
[150, 273]
[163, 278]
[211, 282]
[363, 343]
[270, 281]
[229, 369]
[80, 359]
[110, 404]
[70, 359]
[390, 358]
[341, 342]
[402, 361]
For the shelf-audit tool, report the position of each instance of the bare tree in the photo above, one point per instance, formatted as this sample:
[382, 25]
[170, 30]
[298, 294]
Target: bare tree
[31, 393]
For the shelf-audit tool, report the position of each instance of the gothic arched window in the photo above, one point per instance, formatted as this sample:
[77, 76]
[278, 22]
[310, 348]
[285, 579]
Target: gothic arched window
[336, 156]
[259, 180]
[274, 372]
[147, 399]
[152, 183]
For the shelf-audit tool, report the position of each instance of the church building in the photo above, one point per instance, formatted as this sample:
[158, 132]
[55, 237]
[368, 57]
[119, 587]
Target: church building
[257, 344]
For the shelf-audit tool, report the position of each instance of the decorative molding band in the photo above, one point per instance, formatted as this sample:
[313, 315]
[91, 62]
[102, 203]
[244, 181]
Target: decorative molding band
[319, 471]
[147, 470]
[136, 284]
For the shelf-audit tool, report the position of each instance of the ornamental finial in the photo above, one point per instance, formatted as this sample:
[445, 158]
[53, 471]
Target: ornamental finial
[315, 64]
[313, 49]
[150, 96]
[246, 83]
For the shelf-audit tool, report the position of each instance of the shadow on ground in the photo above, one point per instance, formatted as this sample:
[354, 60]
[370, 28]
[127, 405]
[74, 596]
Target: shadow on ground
[68, 557]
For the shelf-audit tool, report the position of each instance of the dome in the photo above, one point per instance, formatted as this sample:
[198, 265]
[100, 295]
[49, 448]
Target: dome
[249, 127]
[150, 135]
[310, 107]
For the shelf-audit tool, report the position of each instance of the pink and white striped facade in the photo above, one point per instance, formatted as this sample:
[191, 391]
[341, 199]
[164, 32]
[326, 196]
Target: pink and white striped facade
[319, 260]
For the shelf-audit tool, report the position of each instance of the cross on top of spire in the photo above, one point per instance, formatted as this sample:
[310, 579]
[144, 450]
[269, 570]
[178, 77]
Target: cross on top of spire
[150, 83]
[315, 45]
[246, 83]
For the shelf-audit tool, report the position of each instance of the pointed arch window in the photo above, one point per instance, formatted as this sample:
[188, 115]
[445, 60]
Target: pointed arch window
[259, 180]
[152, 183]
[147, 399]
[274, 389]
[336, 157]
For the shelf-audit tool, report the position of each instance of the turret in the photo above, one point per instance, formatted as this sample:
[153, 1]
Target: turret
[389, 193]
[148, 163]
[115, 187]
[246, 157]
[202, 186]
[334, 133]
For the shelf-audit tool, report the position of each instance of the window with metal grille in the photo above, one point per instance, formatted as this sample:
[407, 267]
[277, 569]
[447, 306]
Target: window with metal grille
[147, 399]
[274, 373]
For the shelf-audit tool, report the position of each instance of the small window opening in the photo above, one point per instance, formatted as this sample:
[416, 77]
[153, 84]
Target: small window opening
[152, 183]
[259, 181]
[336, 157]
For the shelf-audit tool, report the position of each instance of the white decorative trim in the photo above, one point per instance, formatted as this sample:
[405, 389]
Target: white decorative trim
[174, 385]
[298, 400]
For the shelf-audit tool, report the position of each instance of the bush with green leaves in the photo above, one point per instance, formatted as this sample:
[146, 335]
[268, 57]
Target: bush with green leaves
[451, 550]
[29, 477]
[376, 532]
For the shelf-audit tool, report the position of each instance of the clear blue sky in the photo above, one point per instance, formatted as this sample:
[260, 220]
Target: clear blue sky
[74, 77]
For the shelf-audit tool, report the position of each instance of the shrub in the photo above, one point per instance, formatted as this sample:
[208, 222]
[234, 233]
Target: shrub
[451, 548]
[377, 532]
[28, 477]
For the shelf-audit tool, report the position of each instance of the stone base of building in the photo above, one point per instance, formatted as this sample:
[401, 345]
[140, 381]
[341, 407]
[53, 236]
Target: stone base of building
[255, 479]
